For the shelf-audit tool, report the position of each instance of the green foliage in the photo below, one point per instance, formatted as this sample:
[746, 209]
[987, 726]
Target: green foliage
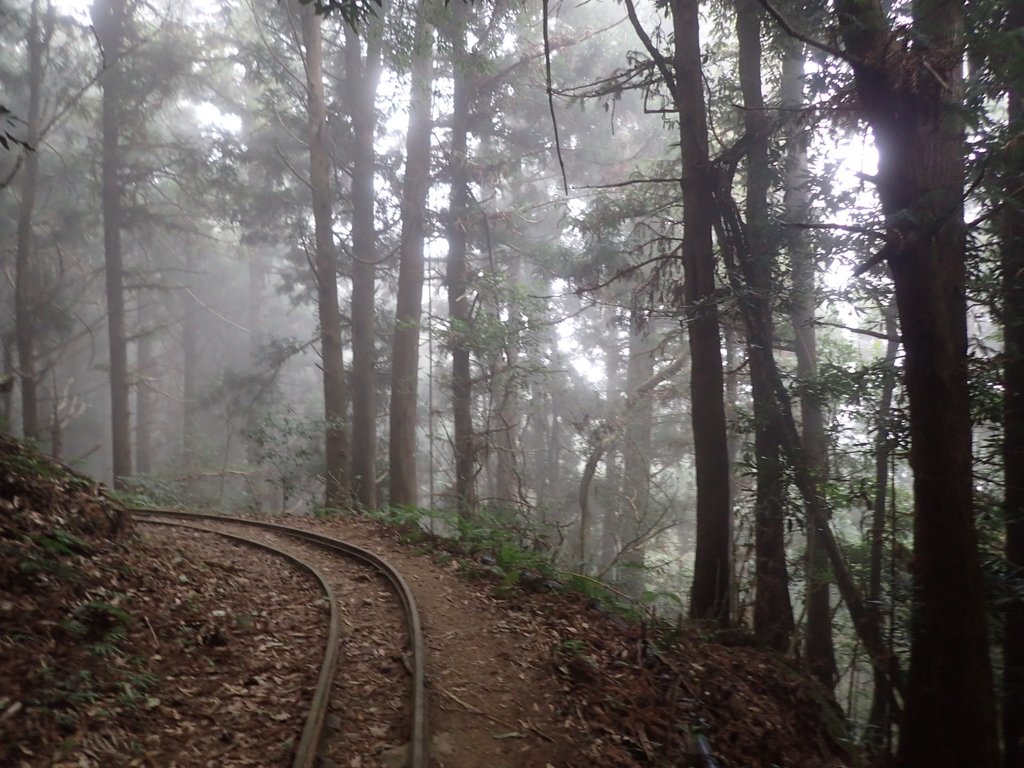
[512, 558]
[353, 12]
[570, 648]
[985, 382]
[472, 538]
[654, 597]
[99, 623]
[323, 512]
[49, 556]
[62, 543]
[602, 596]
[588, 587]
[9, 123]
[30, 463]
[67, 691]
[150, 491]
[135, 687]
[291, 447]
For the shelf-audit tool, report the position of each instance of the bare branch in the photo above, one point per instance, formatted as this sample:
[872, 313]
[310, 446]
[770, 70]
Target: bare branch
[790, 30]
[855, 229]
[631, 182]
[551, 96]
[656, 56]
[860, 331]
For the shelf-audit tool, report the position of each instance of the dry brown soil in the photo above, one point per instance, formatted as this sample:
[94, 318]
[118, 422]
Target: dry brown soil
[119, 648]
[542, 678]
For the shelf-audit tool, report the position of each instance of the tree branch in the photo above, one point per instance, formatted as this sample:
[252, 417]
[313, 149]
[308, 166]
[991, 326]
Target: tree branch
[860, 331]
[790, 30]
[551, 97]
[656, 56]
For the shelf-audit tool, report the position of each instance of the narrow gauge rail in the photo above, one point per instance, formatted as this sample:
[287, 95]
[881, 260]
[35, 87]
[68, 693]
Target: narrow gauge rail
[308, 748]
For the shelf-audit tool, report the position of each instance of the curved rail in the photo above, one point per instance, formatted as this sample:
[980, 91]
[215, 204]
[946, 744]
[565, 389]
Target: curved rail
[306, 751]
[311, 735]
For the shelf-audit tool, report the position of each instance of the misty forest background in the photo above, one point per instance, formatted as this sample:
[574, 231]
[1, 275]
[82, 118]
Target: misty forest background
[717, 302]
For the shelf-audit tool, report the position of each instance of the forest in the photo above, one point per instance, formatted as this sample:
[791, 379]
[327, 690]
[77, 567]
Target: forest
[719, 303]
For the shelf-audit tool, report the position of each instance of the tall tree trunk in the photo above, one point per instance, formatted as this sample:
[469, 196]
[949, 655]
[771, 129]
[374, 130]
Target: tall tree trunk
[363, 77]
[336, 495]
[773, 611]
[506, 441]
[732, 383]
[7, 382]
[1013, 421]
[820, 650]
[457, 273]
[57, 424]
[864, 621]
[913, 103]
[405, 354]
[553, 457]
[544, 424]
[189, 366]
[260, 487]
[145, 404]
[610, 534]
[26, 293]
[257, 280]
[548, 443]
[109, 17]
[254, 314]
[882, 690]
[710, 593]
[636, 474]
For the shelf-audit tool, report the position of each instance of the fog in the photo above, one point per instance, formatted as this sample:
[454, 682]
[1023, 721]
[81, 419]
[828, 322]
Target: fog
[209, 166]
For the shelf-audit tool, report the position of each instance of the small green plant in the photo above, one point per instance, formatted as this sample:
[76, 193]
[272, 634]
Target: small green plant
[326, 513]
[408, 519]
[29, 463]
[402, 516]
[604, 596]
[471, 531]
[150, 491]
[76, 688]
[572, 658]
[288, 446]
[99, 623]
[32, 562]
[134, 689]
[109, 646]
[567, 648]
[511, 558]
[443, 558]
[658, 597]
[62, 543]
[412, 535]
[67, 722]
[588, 587]
[73, 628]
[616, 704]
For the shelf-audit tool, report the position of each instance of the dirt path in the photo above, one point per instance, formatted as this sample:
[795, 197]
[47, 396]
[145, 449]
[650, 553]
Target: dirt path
[493, 700]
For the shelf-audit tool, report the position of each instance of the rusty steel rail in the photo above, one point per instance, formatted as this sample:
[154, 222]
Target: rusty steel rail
[308, 746]
[306, 752]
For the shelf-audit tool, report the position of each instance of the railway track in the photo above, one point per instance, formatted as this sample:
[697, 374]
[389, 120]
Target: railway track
[311, 742]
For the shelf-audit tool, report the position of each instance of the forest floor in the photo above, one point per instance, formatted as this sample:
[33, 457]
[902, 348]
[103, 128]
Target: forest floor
[137, 648]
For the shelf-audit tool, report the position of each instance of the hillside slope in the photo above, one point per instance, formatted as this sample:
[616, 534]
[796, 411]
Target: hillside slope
[126, 649]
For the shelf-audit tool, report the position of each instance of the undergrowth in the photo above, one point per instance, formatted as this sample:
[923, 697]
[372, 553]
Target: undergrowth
[484, 547]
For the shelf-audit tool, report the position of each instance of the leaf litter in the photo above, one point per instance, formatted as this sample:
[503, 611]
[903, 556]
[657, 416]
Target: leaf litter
[175, 649]
[122, 648]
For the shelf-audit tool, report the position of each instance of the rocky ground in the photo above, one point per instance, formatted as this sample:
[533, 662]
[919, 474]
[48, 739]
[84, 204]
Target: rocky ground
[119, 647]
